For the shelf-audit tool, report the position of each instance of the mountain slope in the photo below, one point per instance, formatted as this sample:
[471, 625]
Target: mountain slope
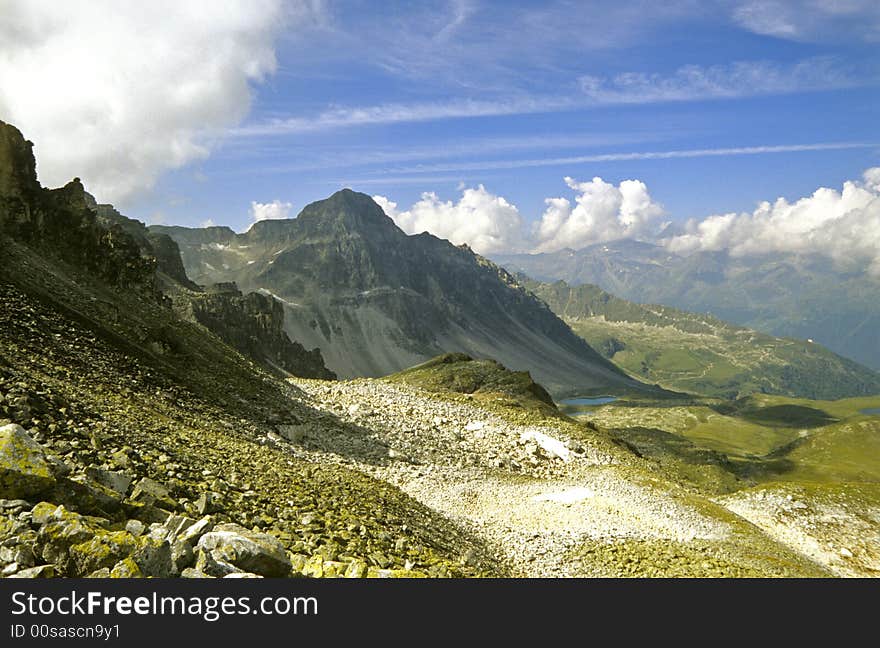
[375, 300]
[787, 295]
[699, 353]
[106, 384]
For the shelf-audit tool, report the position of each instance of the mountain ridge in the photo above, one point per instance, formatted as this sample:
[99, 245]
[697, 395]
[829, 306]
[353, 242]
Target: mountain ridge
[376, 300]
[785, 295]
[700, 353]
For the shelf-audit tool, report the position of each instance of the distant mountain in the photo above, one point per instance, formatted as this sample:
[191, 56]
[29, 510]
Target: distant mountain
[376, 300]
[788, 295]
[699, 353]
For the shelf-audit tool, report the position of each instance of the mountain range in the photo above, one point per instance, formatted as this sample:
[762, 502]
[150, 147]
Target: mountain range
[153, 425]
[786, 295]
[376, 300]
[699, 353]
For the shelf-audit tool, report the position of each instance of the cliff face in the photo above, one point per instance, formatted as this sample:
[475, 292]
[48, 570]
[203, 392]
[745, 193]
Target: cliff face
[60, 223]
[68, 224]
[254, 325]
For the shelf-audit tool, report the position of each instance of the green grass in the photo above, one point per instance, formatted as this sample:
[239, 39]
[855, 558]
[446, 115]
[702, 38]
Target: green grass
[756, 439]
[700, 354]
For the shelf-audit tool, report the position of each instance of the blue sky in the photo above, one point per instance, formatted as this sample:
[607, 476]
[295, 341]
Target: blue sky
[398, 99]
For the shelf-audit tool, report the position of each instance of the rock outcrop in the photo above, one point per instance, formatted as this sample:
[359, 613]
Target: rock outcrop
[254, 325]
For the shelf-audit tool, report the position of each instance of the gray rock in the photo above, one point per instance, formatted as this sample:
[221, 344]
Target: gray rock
[149, 491]
[250, 551]
[135, 527]
[182, 555]
[153, 558]
[204, 504]
[175, 525]
[24, 471]
[14, 504]
[114, 480]
[207, 564]
[192, 533]
[43, 571]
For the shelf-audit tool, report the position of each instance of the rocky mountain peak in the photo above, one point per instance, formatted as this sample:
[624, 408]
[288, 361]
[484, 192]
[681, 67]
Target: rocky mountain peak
[18, 168]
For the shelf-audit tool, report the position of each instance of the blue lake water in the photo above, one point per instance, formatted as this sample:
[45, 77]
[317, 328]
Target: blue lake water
[871, 410]
[586, 402]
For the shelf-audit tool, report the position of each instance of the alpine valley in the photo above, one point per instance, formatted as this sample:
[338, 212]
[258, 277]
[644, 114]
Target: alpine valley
[327, 396]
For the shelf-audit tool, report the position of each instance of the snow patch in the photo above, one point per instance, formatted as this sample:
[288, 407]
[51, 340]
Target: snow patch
[277, 298]
[567, 496]
[551, 445]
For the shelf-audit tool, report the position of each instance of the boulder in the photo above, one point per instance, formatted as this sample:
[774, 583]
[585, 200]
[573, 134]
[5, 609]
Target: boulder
[126, 568]
[114, 480]
[149, 491]
[213, 567]
[182, 555]
[249, 551]
[24, 471]
[194, 532]
[43, 571]
[61, 529]
[103, 550]
[153, 557]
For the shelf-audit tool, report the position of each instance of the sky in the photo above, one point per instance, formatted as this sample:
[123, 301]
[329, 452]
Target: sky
[515, 127]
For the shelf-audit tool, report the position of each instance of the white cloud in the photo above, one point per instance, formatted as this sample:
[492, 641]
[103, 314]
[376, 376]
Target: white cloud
[394, 113]
[116, 93]
[740, 79]
[603, 212]
[811, 20]
[688, 83]
[491, 224]
[484, 165]
[208, 223]
[486, 222]
[844, 225]
[270, 211]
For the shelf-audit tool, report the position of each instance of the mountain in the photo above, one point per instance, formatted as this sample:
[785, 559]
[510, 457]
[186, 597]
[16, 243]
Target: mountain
[118, 412]
[786, 295]
[700, 353]
[376, 300]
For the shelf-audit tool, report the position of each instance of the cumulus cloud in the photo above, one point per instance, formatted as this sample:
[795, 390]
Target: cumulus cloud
[491, 224]
[270, 211]
[486, 222]
[844, 225]
[116, 93]
[602, 212]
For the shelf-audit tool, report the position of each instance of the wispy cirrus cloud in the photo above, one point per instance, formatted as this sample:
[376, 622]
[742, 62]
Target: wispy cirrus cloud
[811, 20]
[393, 113]
[735, 80]
[636, 155]
[687, 83]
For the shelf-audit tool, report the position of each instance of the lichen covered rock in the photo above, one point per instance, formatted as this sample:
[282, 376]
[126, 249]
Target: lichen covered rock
[24, 471]
[250, 551]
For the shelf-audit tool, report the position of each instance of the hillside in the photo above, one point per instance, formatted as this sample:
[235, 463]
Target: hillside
[128, 433]
[135, 441]
[785, 295]
[699, 353]
[376, 301]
